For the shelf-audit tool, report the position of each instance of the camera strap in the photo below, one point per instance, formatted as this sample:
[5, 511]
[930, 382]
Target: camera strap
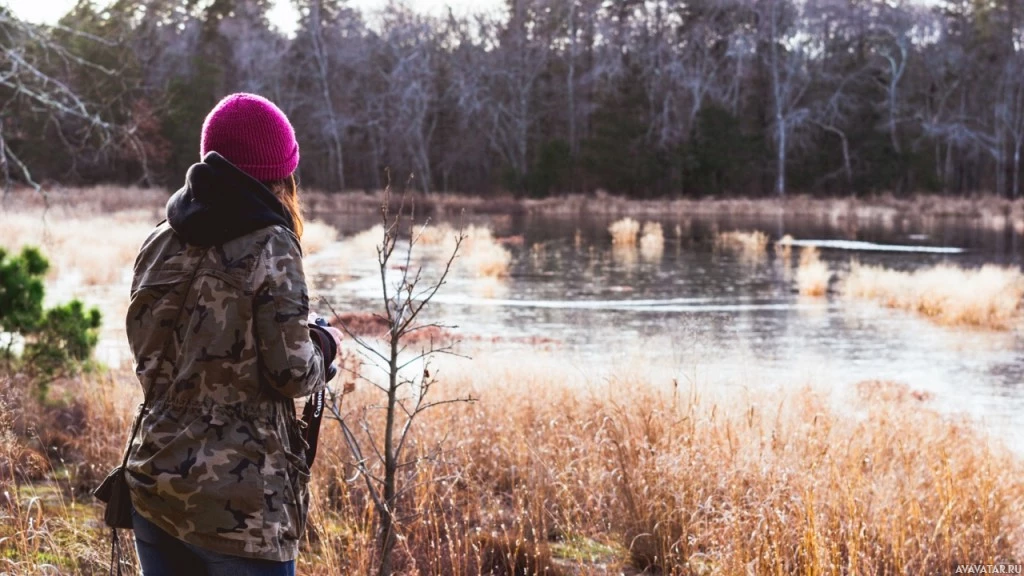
[312, 416]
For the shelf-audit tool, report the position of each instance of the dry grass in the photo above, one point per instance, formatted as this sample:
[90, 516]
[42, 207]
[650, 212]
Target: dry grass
[100, 248]
[813, 275]
[51, 456]
[554, 473]
[652, 242]
[316, 235]
[102, 199]
[784, 248]
[365, 243]
[658, 479]
[624, 232]
[443, 235]
[749, 245]
[95, 233]
[482, 256]
[986, 297]
[368, 325]
[986, 210]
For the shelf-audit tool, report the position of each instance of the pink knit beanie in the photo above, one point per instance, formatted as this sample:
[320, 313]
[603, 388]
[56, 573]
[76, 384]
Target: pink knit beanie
[254, 135]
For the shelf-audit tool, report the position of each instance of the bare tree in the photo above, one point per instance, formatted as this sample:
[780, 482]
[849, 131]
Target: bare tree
[317, 51]
[256, 51]
[404, 111]
[832, 115]
[34, 71]
[786, 61]
[381, 460]
[499, 87]
[476, 102]
[1012, 113]
[894, 53]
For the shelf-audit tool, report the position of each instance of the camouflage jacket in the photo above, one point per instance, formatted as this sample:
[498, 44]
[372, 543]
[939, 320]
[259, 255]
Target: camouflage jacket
[221, 343]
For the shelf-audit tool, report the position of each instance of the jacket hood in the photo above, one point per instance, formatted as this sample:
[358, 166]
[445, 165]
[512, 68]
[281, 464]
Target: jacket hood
[220, 202]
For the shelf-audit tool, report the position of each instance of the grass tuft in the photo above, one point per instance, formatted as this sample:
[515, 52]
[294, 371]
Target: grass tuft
[652, 242]
[813, 275]
[986, 297]
[624, 232]
[100, 249]
[749, 245]
[482, 256]
[316, 235]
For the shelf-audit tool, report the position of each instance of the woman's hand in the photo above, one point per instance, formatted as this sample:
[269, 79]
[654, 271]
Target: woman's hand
[336, 334]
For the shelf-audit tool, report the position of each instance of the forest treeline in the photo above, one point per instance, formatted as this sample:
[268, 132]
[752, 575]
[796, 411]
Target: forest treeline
[640, 97]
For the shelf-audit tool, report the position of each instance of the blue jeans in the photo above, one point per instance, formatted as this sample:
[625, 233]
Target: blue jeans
[161, 554]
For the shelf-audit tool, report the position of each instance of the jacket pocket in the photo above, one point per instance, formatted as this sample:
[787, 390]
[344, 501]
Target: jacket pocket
[287, 494]
[299, 484]
[204, 485]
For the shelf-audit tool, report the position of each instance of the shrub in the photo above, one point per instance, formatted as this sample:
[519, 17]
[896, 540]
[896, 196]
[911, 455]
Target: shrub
[56, 341]
[66, 337]
[21, 291]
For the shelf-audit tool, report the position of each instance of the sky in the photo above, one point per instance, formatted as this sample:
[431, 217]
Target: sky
[282, 15]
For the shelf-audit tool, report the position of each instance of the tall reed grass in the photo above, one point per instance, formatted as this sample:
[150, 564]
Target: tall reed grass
[317, 235]
[551, 472]
[986, 297]
[100, 248]
[986, 210]
[668, 480]
[784, 248]
[813, 275]
[51, 456]
[481, 255]
[630, 242]
[751, 245]
[652, 242]
[624, 232]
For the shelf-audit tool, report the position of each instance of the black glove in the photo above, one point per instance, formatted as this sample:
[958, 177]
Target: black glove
[328, 348]
[313, 413]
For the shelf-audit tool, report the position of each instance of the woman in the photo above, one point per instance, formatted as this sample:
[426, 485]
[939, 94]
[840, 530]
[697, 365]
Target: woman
[218, 325]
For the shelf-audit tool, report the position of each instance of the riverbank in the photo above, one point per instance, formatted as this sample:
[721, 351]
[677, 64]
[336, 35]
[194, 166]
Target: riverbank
[987, 209]
[570, 474]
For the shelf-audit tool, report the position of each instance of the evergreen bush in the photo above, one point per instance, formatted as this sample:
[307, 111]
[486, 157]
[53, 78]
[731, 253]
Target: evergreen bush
[56, 341]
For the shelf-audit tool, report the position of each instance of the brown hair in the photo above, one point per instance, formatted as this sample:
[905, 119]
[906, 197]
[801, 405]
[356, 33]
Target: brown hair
[287, 191]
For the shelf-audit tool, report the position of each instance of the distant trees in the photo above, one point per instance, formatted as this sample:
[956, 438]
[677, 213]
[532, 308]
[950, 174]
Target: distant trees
[60, 104]
[642, 97]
